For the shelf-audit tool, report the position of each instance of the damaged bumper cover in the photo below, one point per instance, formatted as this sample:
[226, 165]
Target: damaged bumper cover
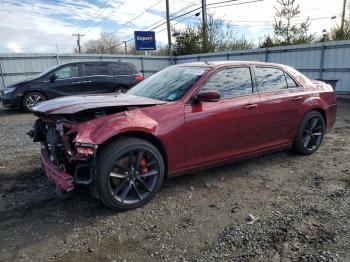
[61, 178]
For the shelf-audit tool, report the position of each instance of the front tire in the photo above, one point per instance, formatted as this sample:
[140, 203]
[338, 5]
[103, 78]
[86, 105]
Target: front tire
[130, 172]
[32, 99]
[309, 134]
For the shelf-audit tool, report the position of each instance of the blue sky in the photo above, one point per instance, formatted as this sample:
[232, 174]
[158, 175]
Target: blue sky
[38, 26]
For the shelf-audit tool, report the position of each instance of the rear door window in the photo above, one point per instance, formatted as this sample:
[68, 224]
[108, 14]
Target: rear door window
[123, 69]
[95, 69]
[290, 81]
[270, 79]
[69, 71]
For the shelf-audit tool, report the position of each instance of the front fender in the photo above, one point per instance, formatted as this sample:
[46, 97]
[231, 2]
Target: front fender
[99, 130]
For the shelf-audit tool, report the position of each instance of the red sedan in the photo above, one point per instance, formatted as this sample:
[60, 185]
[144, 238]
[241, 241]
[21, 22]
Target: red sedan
[182, 119]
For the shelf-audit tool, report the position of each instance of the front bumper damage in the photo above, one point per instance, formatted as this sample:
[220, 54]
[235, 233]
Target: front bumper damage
[64, 162]
[62, 179]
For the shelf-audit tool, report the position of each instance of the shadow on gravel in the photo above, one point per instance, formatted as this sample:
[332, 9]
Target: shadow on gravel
[29, 204]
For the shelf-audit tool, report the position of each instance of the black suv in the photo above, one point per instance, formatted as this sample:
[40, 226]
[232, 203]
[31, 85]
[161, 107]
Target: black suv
[72, 79]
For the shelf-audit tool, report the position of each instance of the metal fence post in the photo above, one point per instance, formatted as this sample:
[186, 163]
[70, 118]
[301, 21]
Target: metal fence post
[2, 74]
[142, 68]
[322, 61]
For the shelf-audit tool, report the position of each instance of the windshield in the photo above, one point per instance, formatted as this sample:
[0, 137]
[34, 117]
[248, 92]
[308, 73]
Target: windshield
[47, 70]
[169, 84]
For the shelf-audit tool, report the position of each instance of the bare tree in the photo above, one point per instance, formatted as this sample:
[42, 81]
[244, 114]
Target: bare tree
[106, 44]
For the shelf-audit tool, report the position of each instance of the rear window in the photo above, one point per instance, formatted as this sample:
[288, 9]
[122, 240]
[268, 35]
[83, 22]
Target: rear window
[123, 69]
[95, 69]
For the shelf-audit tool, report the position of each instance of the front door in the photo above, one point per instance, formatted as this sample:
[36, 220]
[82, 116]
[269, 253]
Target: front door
[67, 82]
[219, 130]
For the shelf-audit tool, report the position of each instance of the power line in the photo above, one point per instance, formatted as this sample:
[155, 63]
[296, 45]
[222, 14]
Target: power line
[137, 16]
[186, 13]
[85, 23]
[110, 13]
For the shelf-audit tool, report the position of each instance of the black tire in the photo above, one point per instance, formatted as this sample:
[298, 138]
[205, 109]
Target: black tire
[32, 99]
[310, 133]
[120, 90]
[114, 176]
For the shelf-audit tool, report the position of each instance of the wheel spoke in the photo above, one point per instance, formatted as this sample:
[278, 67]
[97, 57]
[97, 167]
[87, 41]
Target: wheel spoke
[137, 191]
[120, 187]
[317, 134]
[314, 123]
[306, 141]
[126, 191]
[124, 168]
[131, 159]
[144, 184]
[138, 159]
[150, 173]
[118, 175]
[150, 163]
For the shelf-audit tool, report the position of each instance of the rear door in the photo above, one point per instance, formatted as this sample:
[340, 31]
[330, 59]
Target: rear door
[96, 78]
[280, 97]
[68, 82]
[125, 75]
[219, 130]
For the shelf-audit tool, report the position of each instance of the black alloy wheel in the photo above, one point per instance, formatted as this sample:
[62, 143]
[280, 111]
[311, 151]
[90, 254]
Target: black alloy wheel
[131, 172]
[310, 133]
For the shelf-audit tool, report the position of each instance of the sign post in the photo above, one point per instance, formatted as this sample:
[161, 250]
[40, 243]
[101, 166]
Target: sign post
[145, 40]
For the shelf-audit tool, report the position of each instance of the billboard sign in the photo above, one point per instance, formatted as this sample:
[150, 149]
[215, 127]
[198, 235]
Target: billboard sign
[145, 40]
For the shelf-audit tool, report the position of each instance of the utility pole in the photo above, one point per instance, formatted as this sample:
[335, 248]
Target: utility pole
[205, 24]
[168, 27]
[78, 41]
[343, 16]
[125, 47]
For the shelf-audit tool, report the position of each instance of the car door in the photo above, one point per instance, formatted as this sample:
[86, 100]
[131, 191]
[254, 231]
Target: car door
[219, 130]
[96, 78]
[67, 81]
[279, 106]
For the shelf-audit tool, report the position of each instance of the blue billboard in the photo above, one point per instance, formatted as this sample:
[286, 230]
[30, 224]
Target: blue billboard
[145, 40]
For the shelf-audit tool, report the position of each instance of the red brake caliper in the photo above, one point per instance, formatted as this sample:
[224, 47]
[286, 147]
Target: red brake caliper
[142, 163]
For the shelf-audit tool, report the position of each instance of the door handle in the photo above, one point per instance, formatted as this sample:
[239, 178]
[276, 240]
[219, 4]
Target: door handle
[250, 106]
[87, 81]
[297, 98]
[77, 82]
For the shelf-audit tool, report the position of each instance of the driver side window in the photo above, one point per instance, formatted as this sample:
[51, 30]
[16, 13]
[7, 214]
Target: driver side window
[67, 72]
[230, 82]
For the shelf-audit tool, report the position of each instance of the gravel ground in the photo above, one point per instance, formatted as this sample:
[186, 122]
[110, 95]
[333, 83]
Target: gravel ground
[280, 207]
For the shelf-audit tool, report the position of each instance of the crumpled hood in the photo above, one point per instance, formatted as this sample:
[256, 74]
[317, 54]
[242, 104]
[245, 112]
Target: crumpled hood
[74, 104]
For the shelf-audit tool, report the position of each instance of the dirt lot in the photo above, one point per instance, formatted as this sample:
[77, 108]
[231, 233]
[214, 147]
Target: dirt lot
[300, 208]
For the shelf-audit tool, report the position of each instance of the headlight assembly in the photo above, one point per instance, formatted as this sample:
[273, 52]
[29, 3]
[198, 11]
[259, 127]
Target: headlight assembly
[9, 90]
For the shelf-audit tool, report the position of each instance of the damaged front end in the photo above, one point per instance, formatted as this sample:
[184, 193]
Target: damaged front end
[64, 161]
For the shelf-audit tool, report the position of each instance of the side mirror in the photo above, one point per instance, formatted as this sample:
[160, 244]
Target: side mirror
[53, 78]
[208, 96]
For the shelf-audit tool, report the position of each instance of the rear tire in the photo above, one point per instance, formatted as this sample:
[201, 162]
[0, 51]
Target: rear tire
[310, 133]
[32, 99]
[130, 172]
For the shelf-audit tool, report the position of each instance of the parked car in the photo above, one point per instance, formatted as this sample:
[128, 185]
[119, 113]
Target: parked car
[77, 78]
[182, 119]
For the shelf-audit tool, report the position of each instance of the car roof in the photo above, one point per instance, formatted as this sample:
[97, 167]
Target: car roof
[229, 63]
[95, 61]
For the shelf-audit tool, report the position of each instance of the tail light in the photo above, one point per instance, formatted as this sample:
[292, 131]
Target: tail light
[139, 77]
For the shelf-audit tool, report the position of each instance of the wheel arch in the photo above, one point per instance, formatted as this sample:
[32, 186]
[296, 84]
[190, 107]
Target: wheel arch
[142, 135]
[32, 91]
